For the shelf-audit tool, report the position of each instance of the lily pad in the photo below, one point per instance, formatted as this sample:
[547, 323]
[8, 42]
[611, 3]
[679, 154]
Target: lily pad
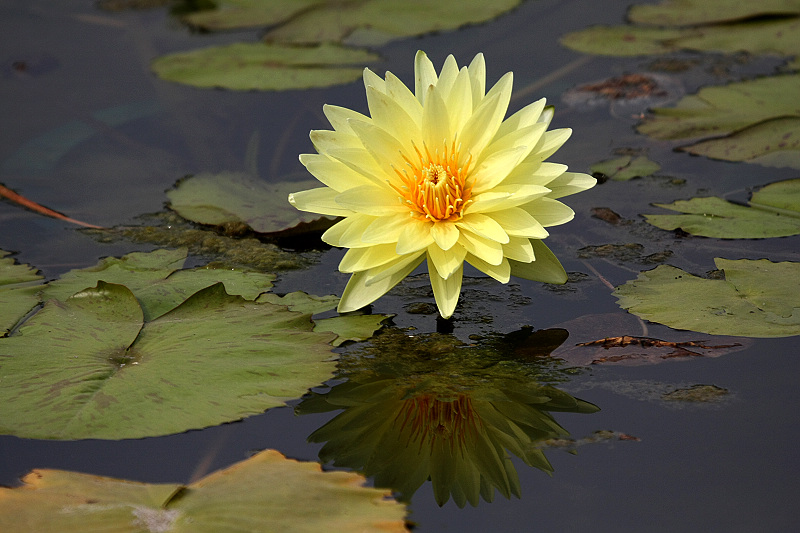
[351, 327]
[774, 212]
[720, 26]
[19, 286]
[237, 14]
[754, 120]
[756, 298]
[91, 367]
[266, 492]
[226, 198]
[264, 66]
[626, 167]
[157, 280]
[376, 22]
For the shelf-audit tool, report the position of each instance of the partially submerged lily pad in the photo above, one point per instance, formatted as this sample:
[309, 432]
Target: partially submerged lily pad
[755, 120]
[91, 367]
[219, 199]
[774, 211]
[626, 167]
[720, 26]
[756, 298]
[266, 492]
[264, 66]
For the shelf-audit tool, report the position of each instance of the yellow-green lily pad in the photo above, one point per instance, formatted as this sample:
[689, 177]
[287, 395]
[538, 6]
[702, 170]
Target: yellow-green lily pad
[774, 211]
[626, 167]
[238, 14]
[266, 492]
[19, 286]
[756, 298]
[264, 66]
[92, 367]
[694, 12]
[228, 197]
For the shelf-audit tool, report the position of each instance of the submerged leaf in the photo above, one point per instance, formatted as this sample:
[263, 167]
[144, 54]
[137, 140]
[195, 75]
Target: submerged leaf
[218, 199]
[774, 212]
[264, 66]
[89, 367]
[626, 167]
[236, 14]
[756, 298]
[266, 492]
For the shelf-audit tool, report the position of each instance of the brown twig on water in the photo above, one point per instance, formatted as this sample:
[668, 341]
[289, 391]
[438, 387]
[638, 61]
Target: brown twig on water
[5, 192]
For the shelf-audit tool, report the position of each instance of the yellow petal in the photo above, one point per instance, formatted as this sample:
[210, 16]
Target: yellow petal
[486, 249]
[484, 122]
[505, 197]
[447, 262]
[332, 173]
[518, 222]
[357, 293]
[402, 266]
[325, 140]
[338, 117]
[501, 272]
[361, 161]
[385, 149]
[391, 117]
[424, 76]
[527, 137]
[495, 168]
[445, 234]
[459, 101]
[477, 79]
[445, 291]
[348, 232]
[373, 80]
[416, 235]
[550, 142]
[398, 91]
[570, 183]
[386, 229]
[527, 116]
[549, 212]
[447, 77]
[484, 226]
[358, 259]
[435, 121]
[545, 268]
[371, 200]
[519, 249]
[321, 200]
[534, 171]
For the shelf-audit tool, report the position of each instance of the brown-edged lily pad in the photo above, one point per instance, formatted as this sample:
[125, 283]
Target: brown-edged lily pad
[266, 492]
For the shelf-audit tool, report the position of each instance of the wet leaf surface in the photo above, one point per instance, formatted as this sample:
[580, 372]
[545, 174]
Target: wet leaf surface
[229, 198]
[19, 286]
[264, 66]
[756, 298]
[774, 211]
[626, 167]
[266, 492]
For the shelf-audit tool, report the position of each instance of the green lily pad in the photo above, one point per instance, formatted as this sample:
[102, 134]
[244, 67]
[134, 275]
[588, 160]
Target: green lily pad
[376, 22]
[264, 66]
[157, 280]
[720, 26]
[227, 198]
[694, 12]
[755, 120]
[91, 367]
[774, 212]
[266, 492]
[19, 286]
[237, 14]
[626, 167]
[756, 298]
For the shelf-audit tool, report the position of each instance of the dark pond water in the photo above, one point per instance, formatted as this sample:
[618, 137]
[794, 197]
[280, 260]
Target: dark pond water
[728, 465]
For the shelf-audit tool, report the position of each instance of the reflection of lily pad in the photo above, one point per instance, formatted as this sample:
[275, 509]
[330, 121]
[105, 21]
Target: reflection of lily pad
[756, 299]
[721, 26]
[626, 167]
[90, 368]
[266, 492]
[219, 199]
[754, 120]
[19, 285]
[247, 66]
[774, 212]
[157, 281]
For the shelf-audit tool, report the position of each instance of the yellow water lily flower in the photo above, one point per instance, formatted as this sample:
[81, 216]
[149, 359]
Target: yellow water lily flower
[438, 175]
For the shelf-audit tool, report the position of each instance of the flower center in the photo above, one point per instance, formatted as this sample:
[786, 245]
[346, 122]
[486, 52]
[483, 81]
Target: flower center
[434, 186]
[431, 421]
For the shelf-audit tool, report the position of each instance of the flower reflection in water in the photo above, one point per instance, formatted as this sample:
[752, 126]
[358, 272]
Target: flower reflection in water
[430, 408]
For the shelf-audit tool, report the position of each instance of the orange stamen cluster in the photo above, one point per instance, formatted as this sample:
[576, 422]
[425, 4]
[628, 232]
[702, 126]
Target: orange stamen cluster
[430, 420]
[434, 186]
